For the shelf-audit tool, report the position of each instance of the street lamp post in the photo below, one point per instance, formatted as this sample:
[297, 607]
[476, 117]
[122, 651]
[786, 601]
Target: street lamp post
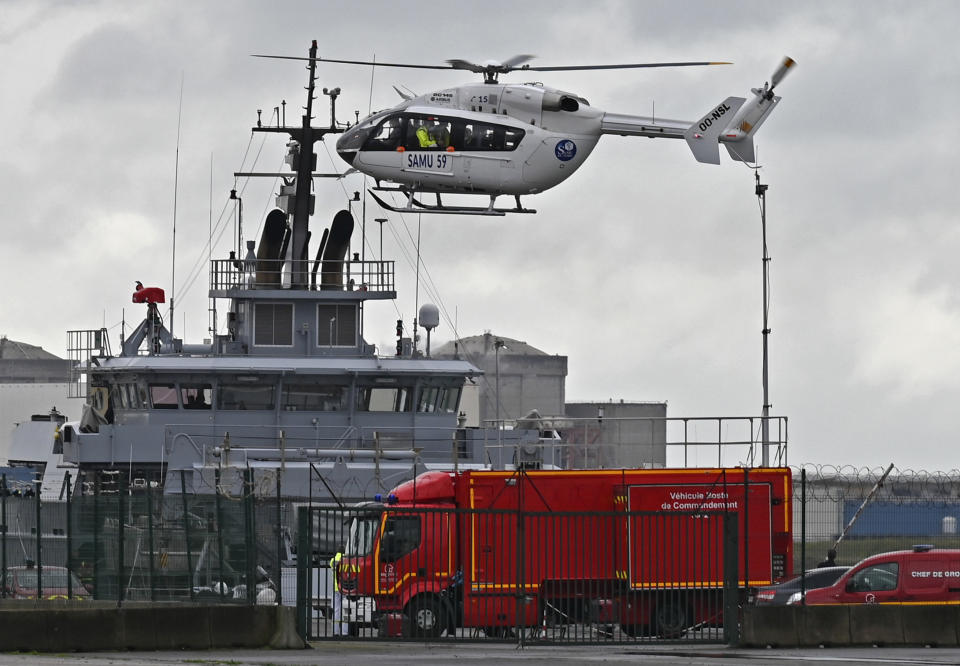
[497, 346]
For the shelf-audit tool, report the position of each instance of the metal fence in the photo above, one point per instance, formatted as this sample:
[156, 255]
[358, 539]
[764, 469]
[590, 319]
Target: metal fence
[471, 574]
[863, 511]
[574, 577]
[138, 544]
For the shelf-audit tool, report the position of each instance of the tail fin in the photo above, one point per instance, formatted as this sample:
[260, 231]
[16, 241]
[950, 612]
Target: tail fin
[703, 136]
[740, 122]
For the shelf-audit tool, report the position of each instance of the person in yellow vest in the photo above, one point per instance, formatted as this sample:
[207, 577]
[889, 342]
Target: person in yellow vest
[338, 629]
[423, 136]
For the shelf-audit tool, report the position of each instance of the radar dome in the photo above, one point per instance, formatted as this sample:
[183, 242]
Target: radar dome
[429, 316]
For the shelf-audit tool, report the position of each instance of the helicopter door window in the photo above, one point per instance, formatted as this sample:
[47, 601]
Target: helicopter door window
[386, 136]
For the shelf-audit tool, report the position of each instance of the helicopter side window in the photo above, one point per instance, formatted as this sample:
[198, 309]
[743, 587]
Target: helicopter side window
[385, 136]
[511, 138]
[428, 134]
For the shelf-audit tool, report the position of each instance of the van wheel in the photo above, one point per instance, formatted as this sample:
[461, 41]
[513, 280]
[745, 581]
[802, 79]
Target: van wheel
[427, 616]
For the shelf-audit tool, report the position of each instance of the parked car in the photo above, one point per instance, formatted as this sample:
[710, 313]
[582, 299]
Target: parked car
[20, 582]
[788, 592]
[922, 575]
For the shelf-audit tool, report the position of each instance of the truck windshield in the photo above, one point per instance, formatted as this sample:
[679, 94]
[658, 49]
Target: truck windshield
[363, 530]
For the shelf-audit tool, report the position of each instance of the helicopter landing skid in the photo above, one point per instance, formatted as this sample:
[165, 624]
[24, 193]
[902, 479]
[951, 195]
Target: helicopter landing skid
[414, 205]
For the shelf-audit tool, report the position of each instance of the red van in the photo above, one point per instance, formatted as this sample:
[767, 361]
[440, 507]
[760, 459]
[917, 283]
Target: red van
[21, 583]
[923, 575]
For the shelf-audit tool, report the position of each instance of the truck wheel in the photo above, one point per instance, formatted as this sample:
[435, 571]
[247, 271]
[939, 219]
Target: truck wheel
[671, 618]
[427, 617]
[635, 630]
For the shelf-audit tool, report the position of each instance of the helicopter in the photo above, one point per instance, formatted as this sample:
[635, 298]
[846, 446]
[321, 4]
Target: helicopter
[494, 139]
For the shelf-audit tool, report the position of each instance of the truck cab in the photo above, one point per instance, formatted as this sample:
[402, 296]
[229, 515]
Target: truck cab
[922, 575]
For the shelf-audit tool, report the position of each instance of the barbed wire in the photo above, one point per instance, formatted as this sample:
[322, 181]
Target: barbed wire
[841, 482]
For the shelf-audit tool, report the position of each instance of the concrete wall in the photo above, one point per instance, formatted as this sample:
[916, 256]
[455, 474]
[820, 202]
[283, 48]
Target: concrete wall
[86, 626]
[853, 624]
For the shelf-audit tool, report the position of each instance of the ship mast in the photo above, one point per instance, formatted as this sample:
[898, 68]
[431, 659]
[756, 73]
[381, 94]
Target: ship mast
[305, 163]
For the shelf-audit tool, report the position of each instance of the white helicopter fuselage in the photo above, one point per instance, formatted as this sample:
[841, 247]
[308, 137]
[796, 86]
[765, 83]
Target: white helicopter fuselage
[485, 139]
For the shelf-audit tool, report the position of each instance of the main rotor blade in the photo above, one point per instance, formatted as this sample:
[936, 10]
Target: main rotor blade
[355, 62]
[624, 66]
[511, 63]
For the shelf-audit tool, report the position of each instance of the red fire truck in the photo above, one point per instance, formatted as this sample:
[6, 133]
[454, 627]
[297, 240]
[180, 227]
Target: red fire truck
[507, 550]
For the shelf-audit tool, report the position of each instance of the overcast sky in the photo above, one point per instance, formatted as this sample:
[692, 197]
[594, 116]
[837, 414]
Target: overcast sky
[644, 268]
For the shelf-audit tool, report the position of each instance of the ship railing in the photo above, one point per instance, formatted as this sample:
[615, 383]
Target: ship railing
[636, 442]
[82, 347]
[238, 444]
[349, 275]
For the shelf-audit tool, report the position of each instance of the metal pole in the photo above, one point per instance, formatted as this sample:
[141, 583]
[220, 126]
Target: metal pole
[803, 536]
[248, 535]
[279, 546]
[96, 532]
[121, 491]
[304, 546]
[216, 475]
[873, 491]
[150, 542]
[69, 540]
[39, 528]
[497, 346]
[761, 191]
[3, 533]
[186, 531]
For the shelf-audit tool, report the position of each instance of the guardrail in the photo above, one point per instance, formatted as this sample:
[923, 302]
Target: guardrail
[348, 275]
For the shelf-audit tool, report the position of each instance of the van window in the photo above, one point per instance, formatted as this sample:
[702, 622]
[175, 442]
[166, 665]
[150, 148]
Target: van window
[876, 578]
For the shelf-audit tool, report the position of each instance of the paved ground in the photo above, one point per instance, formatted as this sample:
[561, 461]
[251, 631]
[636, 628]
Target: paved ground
[411, 654]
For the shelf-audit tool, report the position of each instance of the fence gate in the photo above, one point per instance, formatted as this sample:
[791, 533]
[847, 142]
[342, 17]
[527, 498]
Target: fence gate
[529, 577]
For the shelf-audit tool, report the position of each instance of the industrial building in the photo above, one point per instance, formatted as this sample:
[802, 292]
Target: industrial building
[32, 381]
[520, 378]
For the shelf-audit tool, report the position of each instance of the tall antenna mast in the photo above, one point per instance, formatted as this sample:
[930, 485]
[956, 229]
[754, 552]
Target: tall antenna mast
[761, 191]
[176, 178]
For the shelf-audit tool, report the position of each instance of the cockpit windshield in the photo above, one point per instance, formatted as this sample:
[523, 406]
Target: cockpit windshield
[363, 532]
[354, 138]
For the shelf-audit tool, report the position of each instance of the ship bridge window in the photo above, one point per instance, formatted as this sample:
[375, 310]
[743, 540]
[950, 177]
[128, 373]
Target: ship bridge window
[438, 399]
[163, 396]
[273, 325]
[337, 325]
[196, 396]
[130, 396]
[385, 399]
[126, 396]
[242, 397]
[313, 398]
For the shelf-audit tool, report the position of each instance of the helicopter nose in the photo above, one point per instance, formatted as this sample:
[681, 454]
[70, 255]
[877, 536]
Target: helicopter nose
[347, 156]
